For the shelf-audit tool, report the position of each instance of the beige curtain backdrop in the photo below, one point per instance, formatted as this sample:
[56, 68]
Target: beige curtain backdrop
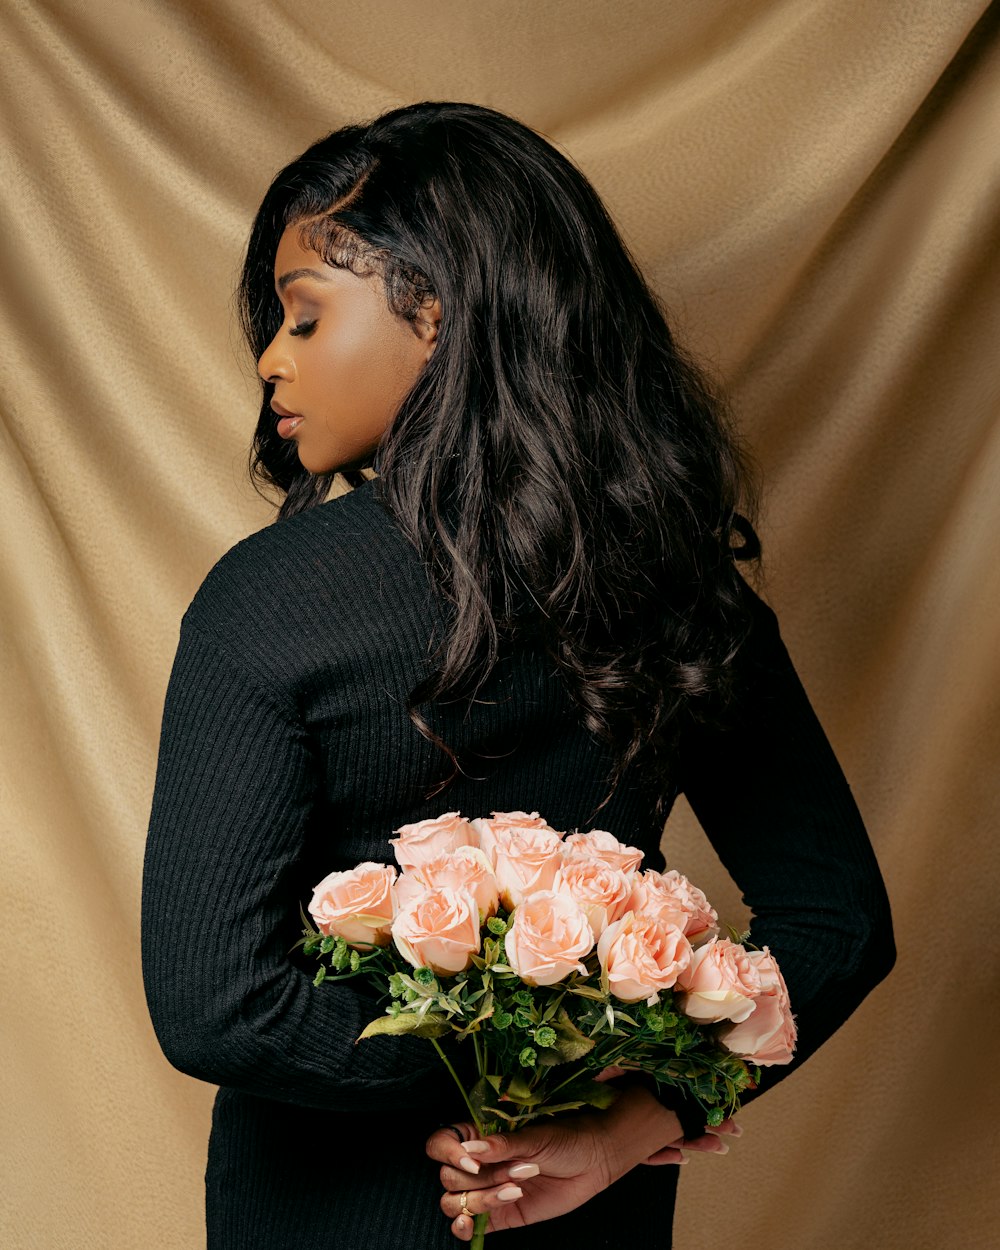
[812, 185]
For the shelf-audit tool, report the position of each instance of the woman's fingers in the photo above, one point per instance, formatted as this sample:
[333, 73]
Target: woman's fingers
[454, 1142]
[455, 1133]
[464, 1167]
[710, 1142]
[669, 1154]
[474, 1201]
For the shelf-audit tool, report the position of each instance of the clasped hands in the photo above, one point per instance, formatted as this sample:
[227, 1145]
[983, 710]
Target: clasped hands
[554, 1165]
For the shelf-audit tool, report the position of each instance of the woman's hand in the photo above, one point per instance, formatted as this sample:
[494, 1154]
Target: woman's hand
[554, 1165]
[707, 1143]
[710, 1142]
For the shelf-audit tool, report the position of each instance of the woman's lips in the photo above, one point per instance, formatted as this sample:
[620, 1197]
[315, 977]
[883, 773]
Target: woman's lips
[288, 425]
[289, 421]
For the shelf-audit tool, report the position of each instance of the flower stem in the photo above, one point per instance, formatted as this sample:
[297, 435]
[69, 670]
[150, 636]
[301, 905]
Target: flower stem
[461, 1088]
[480, 1221]
[480, 1067]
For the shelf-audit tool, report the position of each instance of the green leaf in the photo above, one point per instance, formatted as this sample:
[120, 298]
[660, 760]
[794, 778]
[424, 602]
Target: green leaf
[570, 1043]
[482, 1092]
[586, 991]
[584, 1089]
[424, 976]
[502, 1019]
[546, 1037]
[355, 961]
[497, 926]
[320, 976]
[518, 1090]
[552, 1008]
[528, 1057]
[406, 1022]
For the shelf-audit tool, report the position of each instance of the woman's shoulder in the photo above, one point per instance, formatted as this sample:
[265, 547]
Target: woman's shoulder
[316, 563]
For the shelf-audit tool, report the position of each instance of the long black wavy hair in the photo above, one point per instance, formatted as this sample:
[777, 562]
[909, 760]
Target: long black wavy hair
[565, 471]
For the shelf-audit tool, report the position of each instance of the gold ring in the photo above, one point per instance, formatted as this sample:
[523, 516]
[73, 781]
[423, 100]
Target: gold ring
[463, 1202]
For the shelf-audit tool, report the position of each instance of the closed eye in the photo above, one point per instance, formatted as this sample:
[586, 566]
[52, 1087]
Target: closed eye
[305, 328]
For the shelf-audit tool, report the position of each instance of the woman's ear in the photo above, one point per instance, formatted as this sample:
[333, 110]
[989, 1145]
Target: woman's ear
[428, 321]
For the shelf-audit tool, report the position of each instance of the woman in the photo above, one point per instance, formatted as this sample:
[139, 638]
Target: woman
[532, 602]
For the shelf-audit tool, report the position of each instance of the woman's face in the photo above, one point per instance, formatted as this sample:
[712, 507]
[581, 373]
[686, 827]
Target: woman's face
[342, 361]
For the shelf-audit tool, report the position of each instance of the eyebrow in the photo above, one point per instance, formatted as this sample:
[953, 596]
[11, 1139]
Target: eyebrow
[293, 275]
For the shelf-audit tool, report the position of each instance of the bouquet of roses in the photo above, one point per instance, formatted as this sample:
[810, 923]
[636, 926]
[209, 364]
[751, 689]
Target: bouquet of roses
[560, 959]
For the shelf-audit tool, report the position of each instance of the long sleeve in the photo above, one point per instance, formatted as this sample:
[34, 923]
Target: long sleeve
[236, 782]
[774, 802]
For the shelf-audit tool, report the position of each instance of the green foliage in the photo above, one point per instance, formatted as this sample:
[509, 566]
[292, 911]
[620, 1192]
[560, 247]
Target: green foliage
[538, 1048]
[406, 1022]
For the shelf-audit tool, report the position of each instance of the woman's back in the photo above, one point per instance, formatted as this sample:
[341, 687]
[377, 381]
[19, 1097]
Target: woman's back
[287, 752]
[441, 296]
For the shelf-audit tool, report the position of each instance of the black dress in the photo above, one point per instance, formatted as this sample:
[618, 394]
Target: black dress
[286, 752]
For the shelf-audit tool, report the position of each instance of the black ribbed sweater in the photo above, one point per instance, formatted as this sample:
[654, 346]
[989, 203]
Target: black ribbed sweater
[286, 752]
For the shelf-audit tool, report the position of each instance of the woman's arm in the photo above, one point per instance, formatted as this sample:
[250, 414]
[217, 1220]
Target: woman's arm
[235, 785]
[774, 802]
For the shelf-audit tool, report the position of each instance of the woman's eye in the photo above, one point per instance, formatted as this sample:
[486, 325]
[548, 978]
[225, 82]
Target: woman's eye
[304, 328]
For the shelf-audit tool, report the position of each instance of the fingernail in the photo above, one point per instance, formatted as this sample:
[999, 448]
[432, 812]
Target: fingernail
[682, 1159]
[468, 1165]
[475, 1147]
[723, 1148]
[736, 1130]
[509, 1193]
[521, 1171]
[462, 1223]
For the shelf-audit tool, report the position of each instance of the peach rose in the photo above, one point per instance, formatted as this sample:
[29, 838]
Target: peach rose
[356, 905]
[642, 955]
[768, 1035]
[549, 936]
[504, 822]
[466, 868]
[720, 983]
[672, 896]
[428, 838]
[438, 929]
[601, 891]
[525, 861]
[599, 844]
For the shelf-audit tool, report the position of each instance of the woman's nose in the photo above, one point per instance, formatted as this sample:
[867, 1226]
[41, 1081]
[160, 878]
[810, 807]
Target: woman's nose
[274, 363]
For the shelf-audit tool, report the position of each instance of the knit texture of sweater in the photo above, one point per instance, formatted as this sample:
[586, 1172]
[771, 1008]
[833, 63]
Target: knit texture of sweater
[286, 753]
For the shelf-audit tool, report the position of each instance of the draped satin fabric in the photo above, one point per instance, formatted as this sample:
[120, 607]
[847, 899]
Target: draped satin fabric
[812, 187]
